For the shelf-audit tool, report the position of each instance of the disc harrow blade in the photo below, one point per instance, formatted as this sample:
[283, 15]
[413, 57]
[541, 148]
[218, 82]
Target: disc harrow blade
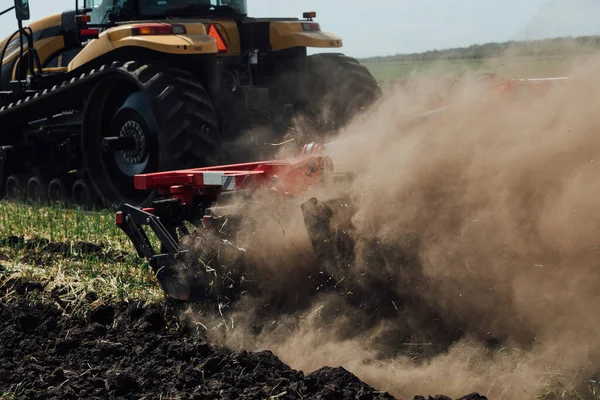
[329, 226]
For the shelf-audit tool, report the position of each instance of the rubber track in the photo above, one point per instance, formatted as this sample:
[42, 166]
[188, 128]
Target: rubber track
[187, 121]
[187, 106]
[351, 83]
[67, 95]
[358, 73]
[181, 105]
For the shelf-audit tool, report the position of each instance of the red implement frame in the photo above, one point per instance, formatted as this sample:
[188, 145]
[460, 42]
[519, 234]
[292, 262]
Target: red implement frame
[191, 195]
[287, 177]
[185, 194]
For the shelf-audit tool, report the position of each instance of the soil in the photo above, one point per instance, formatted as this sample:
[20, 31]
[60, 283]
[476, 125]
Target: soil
[129, 350]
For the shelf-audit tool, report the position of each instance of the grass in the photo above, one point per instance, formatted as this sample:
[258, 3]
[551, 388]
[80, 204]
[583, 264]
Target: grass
[57, 224]
[9, 395]
[112, 273]
[520, 68]
[390, 71]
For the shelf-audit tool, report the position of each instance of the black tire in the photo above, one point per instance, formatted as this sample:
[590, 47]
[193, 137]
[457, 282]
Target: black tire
[339, 88]
[167, 107]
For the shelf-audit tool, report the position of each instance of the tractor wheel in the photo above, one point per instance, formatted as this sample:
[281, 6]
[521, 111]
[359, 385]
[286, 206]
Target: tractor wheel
[82, 195]
[57, 191]
[15, 187]
[36, 191]
[157, 118]
[339, 88]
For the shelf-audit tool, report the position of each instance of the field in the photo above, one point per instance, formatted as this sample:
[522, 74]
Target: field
[538, 67]
[81, 316]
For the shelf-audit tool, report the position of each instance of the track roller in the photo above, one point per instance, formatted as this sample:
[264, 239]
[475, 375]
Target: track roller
[36, 191]
[82, 194]
[15, 188]
[58, 193]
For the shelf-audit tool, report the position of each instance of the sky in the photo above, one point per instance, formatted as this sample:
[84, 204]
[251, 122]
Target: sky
[378, 27]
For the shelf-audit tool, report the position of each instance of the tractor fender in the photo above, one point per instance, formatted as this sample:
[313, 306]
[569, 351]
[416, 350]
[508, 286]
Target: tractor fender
[195, 41]
[47, 37]
[286, 34]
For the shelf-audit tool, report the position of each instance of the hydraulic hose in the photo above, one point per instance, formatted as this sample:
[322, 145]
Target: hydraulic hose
[35, 56]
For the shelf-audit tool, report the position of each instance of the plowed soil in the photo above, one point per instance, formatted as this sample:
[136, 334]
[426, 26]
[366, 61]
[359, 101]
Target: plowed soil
[140, 351]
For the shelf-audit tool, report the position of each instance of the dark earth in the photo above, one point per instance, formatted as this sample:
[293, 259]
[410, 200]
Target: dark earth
[128, 350]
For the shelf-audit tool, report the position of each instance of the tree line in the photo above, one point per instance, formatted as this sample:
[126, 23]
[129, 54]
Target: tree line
[535, 48]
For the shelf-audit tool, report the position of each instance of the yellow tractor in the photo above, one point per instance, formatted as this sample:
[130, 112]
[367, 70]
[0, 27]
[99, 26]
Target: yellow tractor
[114, 88]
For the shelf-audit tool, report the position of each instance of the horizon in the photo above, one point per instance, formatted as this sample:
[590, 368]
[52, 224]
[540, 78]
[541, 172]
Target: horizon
[482, 44]
[428, 24]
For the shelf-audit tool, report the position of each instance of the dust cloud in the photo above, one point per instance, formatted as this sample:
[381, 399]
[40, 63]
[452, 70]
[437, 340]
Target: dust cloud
[477, 238]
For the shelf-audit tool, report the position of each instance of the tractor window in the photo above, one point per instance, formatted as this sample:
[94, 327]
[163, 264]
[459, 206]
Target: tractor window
[239, 5]
[101, 8]
[191, 7]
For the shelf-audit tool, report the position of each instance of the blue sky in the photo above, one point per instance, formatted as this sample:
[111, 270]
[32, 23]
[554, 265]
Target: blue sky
[378, 27]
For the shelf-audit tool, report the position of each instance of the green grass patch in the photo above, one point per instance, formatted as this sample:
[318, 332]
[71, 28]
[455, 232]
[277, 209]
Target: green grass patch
[523, 67]
[391, 70]
[110, 269]
[62, 225]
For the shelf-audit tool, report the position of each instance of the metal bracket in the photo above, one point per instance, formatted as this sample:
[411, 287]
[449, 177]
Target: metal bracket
[132, 219]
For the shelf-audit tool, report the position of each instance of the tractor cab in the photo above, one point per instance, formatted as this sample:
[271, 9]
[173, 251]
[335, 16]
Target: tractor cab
[101, 10]
[182, 8]
[111, 11]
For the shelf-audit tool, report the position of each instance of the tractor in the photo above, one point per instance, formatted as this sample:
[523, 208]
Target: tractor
[93, 96]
